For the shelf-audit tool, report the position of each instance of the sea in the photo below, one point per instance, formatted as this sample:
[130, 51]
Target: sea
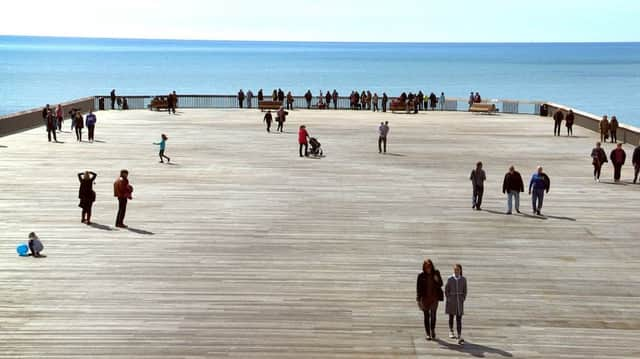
[600, 78]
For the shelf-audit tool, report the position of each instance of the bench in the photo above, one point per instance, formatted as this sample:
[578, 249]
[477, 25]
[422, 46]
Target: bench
[269, 105]
[487, 108]
[397, 106]
[159, 104]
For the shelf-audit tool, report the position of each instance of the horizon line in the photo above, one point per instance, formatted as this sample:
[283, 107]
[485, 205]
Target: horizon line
[313, 41]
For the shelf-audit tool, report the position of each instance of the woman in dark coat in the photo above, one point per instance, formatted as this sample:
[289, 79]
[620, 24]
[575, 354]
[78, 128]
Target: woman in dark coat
[79, 125]
[568, 120]
[433, 101]
[599, 158]
[86, 194]
[456, 292]
[429, 293]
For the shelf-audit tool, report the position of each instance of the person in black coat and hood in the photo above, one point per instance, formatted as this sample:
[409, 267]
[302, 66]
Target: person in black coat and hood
[86, 194]
[513, 186]
[429, 293]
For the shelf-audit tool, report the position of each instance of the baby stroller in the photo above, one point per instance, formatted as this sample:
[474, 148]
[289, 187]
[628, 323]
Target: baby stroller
[316, 150]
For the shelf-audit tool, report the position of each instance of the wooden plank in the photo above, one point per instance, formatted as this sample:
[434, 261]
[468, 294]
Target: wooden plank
[257, 253]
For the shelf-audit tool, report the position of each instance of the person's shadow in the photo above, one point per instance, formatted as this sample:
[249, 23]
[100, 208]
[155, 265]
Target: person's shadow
[475, 350]
[140, 231]
[100, 226]
[3, 146]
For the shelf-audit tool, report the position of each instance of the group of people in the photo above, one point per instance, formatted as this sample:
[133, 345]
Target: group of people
[569, 119]
[413, 103]
[618, 157]
[474, 98]
[512, 186]
[122, 102]
[609, 129]
[122, 190]
[430, 293]
[53, 120]
[281, 118]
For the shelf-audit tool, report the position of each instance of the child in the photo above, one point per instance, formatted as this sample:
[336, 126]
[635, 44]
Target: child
[163, 145]
[35, 246]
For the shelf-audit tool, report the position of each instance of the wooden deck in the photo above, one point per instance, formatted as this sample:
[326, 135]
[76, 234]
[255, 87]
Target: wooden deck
[242, 249]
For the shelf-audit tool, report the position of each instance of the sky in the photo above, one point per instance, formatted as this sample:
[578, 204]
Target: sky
[330, 20]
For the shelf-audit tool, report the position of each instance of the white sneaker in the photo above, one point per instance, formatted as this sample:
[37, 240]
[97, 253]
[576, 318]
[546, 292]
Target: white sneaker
[460, 341]
[451, 334]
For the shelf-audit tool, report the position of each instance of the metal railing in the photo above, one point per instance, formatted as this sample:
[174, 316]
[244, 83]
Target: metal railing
[299, 102]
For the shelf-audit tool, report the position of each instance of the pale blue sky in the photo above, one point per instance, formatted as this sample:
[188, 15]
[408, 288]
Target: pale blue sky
[330, 20]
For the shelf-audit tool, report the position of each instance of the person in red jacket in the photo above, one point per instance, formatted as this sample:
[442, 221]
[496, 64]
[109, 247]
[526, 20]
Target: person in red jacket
[618, 157]
[123, 191]
[303, 136]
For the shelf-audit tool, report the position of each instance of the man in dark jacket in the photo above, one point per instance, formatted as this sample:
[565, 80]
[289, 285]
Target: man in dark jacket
[308, 97]
[512, 186]
[385, 99]
[477, 177]
[113, 99]
[241, 98]
[557, 120]
[618, 157]
[636, 163]
[334, 96]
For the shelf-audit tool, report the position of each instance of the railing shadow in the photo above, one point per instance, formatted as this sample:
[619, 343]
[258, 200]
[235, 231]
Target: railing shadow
[475, 350]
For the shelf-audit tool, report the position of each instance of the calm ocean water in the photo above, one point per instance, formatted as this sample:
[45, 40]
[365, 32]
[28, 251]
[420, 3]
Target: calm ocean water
[598, 78]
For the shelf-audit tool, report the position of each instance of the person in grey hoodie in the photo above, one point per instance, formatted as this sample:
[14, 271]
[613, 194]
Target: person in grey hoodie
[455, 292]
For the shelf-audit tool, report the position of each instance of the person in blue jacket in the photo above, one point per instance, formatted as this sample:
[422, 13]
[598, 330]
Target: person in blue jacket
[163, 145]
[540, 183]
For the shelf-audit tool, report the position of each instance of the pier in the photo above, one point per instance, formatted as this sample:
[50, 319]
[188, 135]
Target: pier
[241, 249]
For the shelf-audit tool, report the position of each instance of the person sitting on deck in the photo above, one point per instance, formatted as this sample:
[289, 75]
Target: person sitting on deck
[35, 246]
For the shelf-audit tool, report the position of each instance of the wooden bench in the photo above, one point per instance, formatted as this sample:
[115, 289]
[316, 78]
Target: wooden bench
[159, 103]
[269, 105]
[487, 108]
[397, 106]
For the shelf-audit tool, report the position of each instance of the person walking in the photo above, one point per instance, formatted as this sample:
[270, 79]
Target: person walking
[442, 101]
[455, 292]
[123, 191]
[604, 129]
[113, 99]
[249, 98]
[86, 194]
[618, 157]
[599, 157]
[163, 146]
[613, 129]
[240, 98]
[51, 126]
[303, 137]
[429, 293]
[478, 176]
[512, 186]
[383, 131]
[268, 118]
[540, 183]
[569, 119]
[59, 117]
[636, 164]
[385, 99]
[91, 124]
[281, 118]
[79, 125]
[557, 120]
[375, 102]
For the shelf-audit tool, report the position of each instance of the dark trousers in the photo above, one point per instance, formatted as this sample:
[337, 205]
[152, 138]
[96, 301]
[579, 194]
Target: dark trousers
[122, 210]
[91, 129]
[335, 105]
[375, 107]
[113, 103]
[280, 126]
[306, 149]
[86, 213]
[268, 126]
[537, 198]
[51, 131]
[597, 168]
[78, 133]
[430, 314]
[289, 105]
[384, 107]
[458, 323]
[614, 136]
[617, 172]
[557, 127]
[59, 123]
[240, 103]
[570, 130]
[162, 156]
[381, 141]
[33, 252]
[478, 191]
[637, 171]
[308, 104]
